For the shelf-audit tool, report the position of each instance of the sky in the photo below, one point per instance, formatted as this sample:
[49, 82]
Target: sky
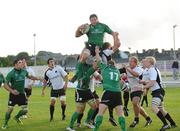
[142, 24]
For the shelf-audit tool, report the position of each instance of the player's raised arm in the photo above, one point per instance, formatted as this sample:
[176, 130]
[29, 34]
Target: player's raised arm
[98, 58]
[34, 78]
[117, 42]
[114, 35]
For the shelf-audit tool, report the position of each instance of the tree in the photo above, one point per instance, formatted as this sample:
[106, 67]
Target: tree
[23, 55]
[3, 62]
[10, 59]
[70, 61]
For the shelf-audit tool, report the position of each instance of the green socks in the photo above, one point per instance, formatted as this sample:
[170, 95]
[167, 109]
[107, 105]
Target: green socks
[122, 123]
[99, 120]
[73, 119]
[90, 115]
[7, 117]
[20, 113]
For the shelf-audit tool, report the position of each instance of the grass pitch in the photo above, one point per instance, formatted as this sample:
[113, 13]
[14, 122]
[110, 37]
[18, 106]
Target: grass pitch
[38, 116]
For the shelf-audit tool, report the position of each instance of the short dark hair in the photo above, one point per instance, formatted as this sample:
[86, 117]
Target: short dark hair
[93, 15]
[49, 60]
[16, 61]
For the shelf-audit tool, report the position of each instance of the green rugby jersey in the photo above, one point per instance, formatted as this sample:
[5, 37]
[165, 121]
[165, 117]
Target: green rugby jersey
[111, 77]
[16, 78]
[2, 80]
[83, 74]
[96, 33]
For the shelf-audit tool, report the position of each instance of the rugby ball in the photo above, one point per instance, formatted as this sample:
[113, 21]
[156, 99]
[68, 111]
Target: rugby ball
[85, 29]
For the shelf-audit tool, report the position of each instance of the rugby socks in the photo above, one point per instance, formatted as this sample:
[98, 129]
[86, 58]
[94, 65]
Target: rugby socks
[122, 123]
[99, 120]
[144, 99]
[136, 119]
[7, 117]
[63, 107]
[90, 114]
[79, 118]
[94, 115]
[73, 119]
[20, 113]
[161, 117]
[51, 112]
[110, 112]
[126, 98]
[168, 117]
[142, 102]
[148, 118]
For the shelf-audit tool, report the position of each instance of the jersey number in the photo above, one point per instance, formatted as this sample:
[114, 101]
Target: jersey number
[114, 76]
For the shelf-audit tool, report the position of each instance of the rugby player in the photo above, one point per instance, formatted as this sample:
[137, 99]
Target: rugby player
[112, 91]
[126, 93]
[14, 83]
[158, 93]
[83, 93]
[28, 82]
[145, 78]
[2, 79]
[108, 50]
[95, 76]
[95, 34]
[56, 76]
[133, 73]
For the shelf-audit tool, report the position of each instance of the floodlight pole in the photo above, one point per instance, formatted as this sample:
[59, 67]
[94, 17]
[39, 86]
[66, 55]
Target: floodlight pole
[174, 40]
[34, 35]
